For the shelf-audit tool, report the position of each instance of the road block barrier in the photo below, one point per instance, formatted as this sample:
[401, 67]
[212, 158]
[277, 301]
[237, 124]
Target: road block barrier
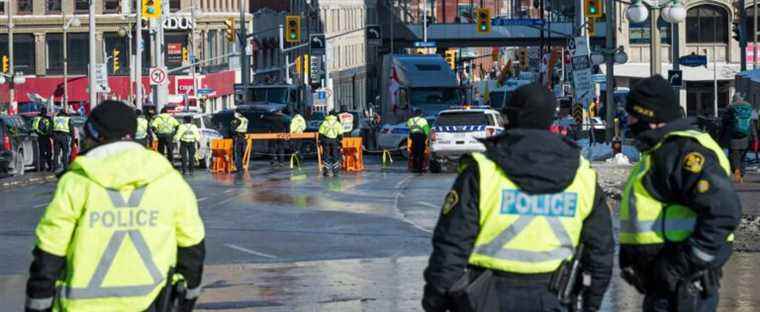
[278, 136]
[222, 159]
[353, 157]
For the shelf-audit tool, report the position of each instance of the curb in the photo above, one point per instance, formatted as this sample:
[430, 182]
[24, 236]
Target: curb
[25, 181]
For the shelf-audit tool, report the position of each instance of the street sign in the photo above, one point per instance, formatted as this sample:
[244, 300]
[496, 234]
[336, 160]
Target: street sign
[158, 76]
[315, 71]
[501, 21]
[373, 32]
[582, 85]
[693, 60]
[317, 44]
[205, 91]
[675, 77]
[101, 78]
[425, 44]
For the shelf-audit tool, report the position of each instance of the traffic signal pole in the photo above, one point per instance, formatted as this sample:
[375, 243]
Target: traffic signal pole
[245, 67]
[11, 70]
[138, 56]
[93, 58]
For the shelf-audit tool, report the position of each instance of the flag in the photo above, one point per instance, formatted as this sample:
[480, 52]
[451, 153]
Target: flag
[393, 87]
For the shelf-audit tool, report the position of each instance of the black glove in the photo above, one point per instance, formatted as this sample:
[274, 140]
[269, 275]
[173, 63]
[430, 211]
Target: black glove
[434, 301]
[672, 265]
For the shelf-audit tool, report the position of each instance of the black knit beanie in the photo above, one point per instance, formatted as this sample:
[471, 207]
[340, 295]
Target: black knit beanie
[532, 107]
[653, 100]
[113, 120]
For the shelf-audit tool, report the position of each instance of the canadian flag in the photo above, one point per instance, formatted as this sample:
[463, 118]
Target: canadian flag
[393, 87]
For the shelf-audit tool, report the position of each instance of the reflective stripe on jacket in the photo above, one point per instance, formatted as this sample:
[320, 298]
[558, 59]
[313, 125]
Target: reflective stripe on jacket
[61, 124]
[243, 126]
[188, 132]
[529, 233]
[164, 124]
[645, 220]
[331, 127]
[142, 128]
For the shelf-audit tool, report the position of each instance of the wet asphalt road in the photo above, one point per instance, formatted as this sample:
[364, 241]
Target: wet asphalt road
[283, 242]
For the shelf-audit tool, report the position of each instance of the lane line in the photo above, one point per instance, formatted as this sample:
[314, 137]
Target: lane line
[253, 252]
[202, 199]
[229, 191]
[40, 205]
[429, 205]
[399, 194]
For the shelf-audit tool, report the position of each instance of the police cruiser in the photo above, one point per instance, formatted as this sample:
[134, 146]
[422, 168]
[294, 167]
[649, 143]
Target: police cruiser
[456, 132]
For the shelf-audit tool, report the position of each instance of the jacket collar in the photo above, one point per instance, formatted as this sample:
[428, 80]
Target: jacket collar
[649, 139]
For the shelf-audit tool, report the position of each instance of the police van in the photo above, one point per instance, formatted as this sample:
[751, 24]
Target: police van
[456, 131]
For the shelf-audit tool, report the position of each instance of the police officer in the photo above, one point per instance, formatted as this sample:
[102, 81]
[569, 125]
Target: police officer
[110, 239]
[188, 136]
[517, 212]
[240, 130]
[297, 126]
[62, 139]
[43, 126]
[330, 135]
[679, 207]
[141, 136]
[418, 133]
[164, 125]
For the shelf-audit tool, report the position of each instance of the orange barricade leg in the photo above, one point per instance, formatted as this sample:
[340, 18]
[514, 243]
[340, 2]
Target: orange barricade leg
[352, 154]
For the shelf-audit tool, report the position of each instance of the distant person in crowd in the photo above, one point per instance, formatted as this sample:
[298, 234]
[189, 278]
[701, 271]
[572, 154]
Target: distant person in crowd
[42, 125]
[737, 130]
[419, 129]
[189, 138]
[330, 135]
[239, 128]
[165, 126]
[62, 134]
[297, 126]
[141, 136]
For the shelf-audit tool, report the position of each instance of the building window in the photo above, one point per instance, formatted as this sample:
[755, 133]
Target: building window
[24, 7]
[81, 6]
[78, 57]
[23, 52]
[111, 6]
[175, 43]
[52, 6]
[174, 5]
[706, 24]
[639, 33]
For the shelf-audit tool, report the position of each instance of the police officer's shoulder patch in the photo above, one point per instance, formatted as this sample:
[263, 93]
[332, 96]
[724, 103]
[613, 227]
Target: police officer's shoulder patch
[451, 200]
[703, 186]
[693, 162]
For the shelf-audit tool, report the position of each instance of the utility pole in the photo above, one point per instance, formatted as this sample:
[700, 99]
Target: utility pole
[11, 70]
[93, 59]
[610, 100]
[245, 68]
[138, 56]
[654, 43]
[676, 52]
[193, 52]
[162, 91]
[743, 39]
[754, 34]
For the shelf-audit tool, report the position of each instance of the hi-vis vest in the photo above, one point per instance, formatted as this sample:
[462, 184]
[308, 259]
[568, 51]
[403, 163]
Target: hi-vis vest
[416, 124]
[331, 127]
[37, 122]
[188, 133]
[142, 128]
[298, 124]
[61, 124]
[243, 126]
[165, 124]
[643, 219]
[524, 233]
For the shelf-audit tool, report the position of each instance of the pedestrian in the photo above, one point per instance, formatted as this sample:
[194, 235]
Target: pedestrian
[111, 239]
[164, 125]
[278, 124]
[43, 127]
[62, 140]
[297, 126]
[141, 136]
[239, 127]
[736, 128]
[188, 136]
[518, 216]
[678, 209]
[418, 134]
[330, 135]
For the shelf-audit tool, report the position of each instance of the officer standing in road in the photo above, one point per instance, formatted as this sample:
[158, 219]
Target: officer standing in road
[164, 125]
[240, 130]
[297, 126]
[141, 136]
[679, 208]
[43, 126]
[111, 239]
[418, 133]
[516, 216]
[62, 139]
[330, 134]
[188, 136]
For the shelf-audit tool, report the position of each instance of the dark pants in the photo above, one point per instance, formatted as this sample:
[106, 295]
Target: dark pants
[45, 144]
[330, 152]
[277, 148]
[187, 151]
[166, 146]
[737, 160]
[418, 151]
[62, 150]
[239, 150]
[510, 294]
[666, 302]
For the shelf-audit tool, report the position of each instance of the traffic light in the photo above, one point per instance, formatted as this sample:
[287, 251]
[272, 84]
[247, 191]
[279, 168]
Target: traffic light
[593, 8]
[738, 33]
[483, 18]
[230, 23]
[151, 9]
[185, 54]
[299, 65]
[116, 65]
[293, 28]
[522, 56]
[5, 64]
[591, 26]
[451, 58]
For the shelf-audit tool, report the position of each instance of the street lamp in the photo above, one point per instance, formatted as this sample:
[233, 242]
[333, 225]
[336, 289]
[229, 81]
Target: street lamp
[73, 21]
[672, 12]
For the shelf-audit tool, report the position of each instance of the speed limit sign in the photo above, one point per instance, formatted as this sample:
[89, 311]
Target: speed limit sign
[158, 76]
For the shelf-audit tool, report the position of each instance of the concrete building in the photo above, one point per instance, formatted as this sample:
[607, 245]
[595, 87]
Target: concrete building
[38, 48]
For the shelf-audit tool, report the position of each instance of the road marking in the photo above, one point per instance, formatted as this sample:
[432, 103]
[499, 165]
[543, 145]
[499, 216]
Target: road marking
[229, 191]
[399, 194]
[40, 205]
[202, 199]
[253, 252]
[429, 205]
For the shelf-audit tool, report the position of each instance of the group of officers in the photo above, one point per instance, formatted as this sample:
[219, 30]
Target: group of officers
[54, 138]
[526, 226]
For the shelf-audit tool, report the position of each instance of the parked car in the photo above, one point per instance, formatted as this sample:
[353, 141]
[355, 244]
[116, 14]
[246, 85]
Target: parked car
[457, 132]
[208, 133]
[17, 146]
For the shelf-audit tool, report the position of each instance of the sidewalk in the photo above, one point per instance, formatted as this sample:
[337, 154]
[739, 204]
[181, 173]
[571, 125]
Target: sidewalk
[27, 179]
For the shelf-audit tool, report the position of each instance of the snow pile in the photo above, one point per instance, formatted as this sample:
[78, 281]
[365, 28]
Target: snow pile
[603, 152]
[620, 159]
